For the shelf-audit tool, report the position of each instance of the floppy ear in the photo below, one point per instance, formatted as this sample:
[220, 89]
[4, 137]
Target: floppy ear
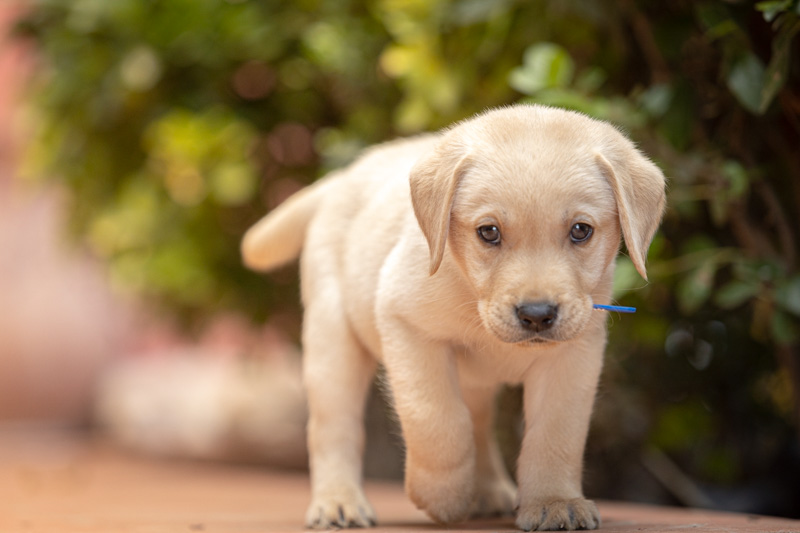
[434, 180]
[638, 187]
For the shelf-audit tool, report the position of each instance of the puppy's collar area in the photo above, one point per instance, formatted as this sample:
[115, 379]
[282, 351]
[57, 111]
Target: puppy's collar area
[617, 308]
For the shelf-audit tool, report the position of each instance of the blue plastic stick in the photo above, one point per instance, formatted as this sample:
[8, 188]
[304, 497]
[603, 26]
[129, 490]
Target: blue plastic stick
[618, 308]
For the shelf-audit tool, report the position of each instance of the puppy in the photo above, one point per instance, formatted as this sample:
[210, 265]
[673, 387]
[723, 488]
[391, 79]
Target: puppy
[460, 261]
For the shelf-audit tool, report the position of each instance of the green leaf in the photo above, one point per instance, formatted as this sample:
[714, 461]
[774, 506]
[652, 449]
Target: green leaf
[721, 465]
[735, 183]
[656, 99]
[591, 80]
[678, 120]
[233, 182]
[735, 294]
[784, 328]
[680, 426]
[699, 242]
[746, 82]
[737, 177]
[717, 20]
[788, 295]
[772, 8]
[545, 66]
[695, 289]
[141, 69]
[625, 276]
[778, 68]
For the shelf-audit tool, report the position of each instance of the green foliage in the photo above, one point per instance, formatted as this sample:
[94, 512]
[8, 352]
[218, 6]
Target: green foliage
[176, 124]
[544, 66]
[171, 121]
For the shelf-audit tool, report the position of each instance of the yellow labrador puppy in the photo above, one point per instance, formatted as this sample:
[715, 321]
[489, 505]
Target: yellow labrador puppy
[460, 261]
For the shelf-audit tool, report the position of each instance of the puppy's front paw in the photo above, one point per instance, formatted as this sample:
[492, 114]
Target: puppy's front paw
[445, 495]
[551, 515]
[495, 498]
[340, 510]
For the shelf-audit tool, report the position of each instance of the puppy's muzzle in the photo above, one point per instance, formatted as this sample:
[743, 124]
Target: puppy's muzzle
[537, 316]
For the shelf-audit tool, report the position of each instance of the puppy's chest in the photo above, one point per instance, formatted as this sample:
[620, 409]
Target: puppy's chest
[483, 365]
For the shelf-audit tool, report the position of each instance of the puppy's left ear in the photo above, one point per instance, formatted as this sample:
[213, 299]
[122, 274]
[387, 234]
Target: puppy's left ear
[434, 180]
[638, 186]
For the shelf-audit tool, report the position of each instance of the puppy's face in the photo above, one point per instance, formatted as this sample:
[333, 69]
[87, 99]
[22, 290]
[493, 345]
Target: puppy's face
[531, 202]
[535, 237]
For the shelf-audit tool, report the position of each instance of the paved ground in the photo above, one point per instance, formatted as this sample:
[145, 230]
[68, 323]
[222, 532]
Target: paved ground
[53, 483]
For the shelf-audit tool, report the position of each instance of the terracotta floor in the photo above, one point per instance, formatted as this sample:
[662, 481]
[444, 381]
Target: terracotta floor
[53, 483]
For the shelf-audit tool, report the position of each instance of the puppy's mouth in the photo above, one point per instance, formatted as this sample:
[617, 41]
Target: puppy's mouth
[520, 338]
[536, 341]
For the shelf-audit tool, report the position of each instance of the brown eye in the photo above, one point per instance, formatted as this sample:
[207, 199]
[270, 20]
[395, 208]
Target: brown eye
[580, 232]
[489, 234]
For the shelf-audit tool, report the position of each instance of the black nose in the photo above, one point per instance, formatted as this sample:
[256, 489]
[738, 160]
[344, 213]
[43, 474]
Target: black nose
[537, 316]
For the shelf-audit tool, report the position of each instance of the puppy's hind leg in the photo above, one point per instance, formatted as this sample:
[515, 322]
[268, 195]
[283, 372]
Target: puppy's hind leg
[495, 492]
[337, 373]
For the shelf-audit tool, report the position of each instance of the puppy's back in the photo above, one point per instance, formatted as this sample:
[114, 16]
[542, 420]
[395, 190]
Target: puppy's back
[278, 238]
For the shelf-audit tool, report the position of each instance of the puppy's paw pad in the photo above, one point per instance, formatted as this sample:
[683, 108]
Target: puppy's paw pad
[553, 515]
[495, 498]
[333, 513]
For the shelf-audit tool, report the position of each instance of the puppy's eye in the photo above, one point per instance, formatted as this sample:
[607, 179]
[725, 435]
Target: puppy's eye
[580, 232]
[490, 234]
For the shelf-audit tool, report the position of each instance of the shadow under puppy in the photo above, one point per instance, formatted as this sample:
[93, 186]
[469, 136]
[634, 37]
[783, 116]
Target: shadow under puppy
[462, 260]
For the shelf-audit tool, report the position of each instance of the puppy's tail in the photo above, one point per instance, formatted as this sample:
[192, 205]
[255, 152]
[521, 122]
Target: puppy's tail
[278, 238]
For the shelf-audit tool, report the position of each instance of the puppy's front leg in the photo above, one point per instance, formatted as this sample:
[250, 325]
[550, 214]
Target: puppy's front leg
[440, 450]
[559, 393]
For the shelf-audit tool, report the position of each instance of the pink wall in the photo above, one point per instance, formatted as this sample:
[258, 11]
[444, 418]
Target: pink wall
[59, 322]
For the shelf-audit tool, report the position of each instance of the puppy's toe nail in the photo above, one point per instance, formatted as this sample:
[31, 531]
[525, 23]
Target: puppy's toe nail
[366, 519]
[315, 522]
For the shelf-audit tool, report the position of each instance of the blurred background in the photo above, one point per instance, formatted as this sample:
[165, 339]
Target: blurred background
[141, 138]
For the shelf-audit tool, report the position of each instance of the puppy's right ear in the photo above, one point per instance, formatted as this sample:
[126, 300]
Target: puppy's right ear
[434, 180]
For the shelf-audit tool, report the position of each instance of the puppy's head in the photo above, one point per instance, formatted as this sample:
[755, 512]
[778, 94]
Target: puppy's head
[530, 202]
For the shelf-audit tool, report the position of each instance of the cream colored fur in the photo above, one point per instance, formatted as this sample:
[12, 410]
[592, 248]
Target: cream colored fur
[394, 271]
